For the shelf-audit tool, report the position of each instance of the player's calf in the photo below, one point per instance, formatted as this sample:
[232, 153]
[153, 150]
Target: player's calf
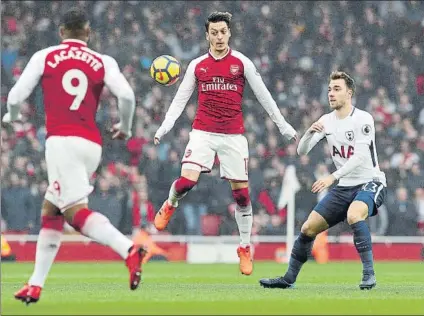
[356, 215]
[244, 219]
[302, 247]
[179, 189]
[243, 215]
[98, 227]
[48, 244]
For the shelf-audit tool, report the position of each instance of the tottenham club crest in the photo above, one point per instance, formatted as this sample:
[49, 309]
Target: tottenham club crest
[366, 129]
[234, 69]
[350, 136]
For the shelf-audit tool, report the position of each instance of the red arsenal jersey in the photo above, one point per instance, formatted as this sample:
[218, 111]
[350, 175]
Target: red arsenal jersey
[220, 84]
[72, 77]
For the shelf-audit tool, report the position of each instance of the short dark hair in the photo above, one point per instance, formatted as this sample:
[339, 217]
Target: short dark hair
[350, 83]
[218, 17]
[74, 20]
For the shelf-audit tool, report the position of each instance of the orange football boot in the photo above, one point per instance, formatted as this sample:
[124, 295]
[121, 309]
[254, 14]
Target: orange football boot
[164, 215]
[246, 262]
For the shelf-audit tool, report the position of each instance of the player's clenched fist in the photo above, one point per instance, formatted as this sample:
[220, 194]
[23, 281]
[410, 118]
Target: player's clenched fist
[289, 133]
[159, 134]
[317, 127]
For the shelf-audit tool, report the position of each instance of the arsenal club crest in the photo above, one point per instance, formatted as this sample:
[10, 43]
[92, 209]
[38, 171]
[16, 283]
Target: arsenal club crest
[234, 69]
[350, 136]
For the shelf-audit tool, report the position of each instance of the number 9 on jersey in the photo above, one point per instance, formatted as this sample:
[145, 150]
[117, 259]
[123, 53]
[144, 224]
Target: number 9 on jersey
[75, 83]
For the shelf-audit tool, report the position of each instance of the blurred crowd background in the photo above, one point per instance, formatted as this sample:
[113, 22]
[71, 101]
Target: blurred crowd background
[295, 45]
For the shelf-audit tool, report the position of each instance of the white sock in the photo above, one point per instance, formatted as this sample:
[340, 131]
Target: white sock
[174, 197]
[48, 244]
[244, 219]
[99, 228]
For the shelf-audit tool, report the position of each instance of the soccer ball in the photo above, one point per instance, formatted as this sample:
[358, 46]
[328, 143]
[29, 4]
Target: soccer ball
[165, 70]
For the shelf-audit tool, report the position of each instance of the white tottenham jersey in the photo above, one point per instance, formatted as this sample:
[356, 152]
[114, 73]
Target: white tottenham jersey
[352, 147]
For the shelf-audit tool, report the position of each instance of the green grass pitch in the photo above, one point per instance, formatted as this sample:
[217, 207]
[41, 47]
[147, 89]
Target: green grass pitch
[179, 288]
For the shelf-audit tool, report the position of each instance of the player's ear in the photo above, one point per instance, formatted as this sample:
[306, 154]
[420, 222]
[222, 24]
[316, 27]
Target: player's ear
[61, 32]
[88, 32]
[207, 36]
[229, 33]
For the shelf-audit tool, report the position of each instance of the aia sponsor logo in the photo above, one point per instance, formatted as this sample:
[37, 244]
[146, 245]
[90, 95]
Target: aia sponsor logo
[343, 152]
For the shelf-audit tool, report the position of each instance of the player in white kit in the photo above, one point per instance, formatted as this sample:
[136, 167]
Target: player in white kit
[361, 187]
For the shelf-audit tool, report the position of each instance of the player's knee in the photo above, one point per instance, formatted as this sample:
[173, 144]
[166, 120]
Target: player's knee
[54, 222]
[183, 185]
[309, 229]
[357, 212]
[76, 216]
[242, 197]
[355, 216]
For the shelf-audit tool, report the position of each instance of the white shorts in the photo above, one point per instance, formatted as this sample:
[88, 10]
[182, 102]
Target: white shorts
[232, 151]
[71, 161]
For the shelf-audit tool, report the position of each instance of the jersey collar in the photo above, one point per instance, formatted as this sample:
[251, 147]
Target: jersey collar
[75, 41]
[220, 58]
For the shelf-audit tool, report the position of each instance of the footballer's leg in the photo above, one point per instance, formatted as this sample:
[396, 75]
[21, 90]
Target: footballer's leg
[365, 204]
[233, 154]
[244, 219]
[198, 157]
[98, 227]
[178, 190]
[48, 244]
[77, 159]
[302, 248]
[356, 216]
[327, 213]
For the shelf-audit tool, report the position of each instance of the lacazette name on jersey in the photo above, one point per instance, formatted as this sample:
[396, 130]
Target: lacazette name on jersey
[78, 54]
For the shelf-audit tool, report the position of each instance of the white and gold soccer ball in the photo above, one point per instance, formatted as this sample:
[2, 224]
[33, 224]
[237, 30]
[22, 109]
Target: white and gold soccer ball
[165, 70]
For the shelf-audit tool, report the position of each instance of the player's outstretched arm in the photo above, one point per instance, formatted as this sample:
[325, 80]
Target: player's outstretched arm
[266, 100]
[24, 87]
[119, 86]
[184, 92]
[312, 137]
[364, 136]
